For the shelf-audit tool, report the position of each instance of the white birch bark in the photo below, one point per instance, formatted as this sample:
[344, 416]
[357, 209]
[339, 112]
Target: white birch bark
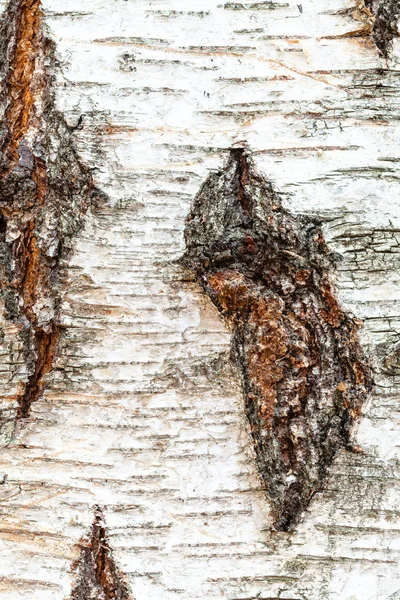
[143, 413]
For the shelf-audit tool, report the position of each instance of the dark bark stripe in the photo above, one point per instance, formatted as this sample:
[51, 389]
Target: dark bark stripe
[304, 374]
[44, 192]
[98, 576]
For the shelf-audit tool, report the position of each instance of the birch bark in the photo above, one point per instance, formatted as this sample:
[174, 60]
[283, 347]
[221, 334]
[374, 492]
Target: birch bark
[142, 419]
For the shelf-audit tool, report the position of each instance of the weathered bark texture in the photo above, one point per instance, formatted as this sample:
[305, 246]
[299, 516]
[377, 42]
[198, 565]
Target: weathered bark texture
[143, 412]
[44, 192]
[386, 18]
[304, 375]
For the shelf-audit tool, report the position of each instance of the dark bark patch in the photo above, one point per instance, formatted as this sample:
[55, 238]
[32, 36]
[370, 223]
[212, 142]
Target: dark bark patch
[44, 192]
[304, 374]
[98, 576]
[387, 15]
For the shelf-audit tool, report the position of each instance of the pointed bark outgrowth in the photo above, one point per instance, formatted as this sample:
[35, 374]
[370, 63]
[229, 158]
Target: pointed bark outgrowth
[44, 191]
[98, 576]
[385, 28]
[304, 374]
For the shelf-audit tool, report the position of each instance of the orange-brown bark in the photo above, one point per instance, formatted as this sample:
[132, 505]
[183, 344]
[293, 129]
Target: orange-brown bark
[24, 54]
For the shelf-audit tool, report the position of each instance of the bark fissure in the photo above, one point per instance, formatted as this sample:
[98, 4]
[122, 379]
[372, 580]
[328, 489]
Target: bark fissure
[98, 576]
[44, 192]
[304, 374]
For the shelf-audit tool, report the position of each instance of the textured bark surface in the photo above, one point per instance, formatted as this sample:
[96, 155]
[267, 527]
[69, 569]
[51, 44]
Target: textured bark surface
[98, 576]
[304, 375]
[386, 23]
[44, 192]
[143, 413]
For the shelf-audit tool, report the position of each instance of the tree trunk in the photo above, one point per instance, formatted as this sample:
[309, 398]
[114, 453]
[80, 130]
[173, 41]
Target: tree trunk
[200, 321]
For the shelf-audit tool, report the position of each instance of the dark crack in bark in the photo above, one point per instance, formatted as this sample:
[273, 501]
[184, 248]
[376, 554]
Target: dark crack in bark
[304, 374]
[385, 28]
[98, 576]
[44, 192]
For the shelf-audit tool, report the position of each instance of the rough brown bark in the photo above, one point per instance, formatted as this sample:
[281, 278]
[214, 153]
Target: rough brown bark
[304, 374]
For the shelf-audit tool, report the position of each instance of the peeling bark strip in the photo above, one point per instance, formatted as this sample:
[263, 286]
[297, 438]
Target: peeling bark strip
[99, 578]
[44, 191]
[304, 374]
[387, 15]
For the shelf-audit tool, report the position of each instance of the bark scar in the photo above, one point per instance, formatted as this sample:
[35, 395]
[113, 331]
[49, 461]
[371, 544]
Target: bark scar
[44, 192]
[304, 374]
[98, 576]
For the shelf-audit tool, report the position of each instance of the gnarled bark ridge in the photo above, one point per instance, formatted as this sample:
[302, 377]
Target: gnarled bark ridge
[304, 374]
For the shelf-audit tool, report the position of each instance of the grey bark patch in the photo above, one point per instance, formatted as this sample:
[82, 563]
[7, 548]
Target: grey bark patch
[304, 373]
